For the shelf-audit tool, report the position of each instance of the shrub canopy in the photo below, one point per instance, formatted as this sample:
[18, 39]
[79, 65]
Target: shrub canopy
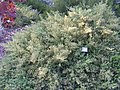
[48, 54]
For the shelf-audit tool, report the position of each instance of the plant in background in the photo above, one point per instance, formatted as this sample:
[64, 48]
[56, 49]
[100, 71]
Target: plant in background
[18, 16]
[39, 5]
[116, 7]
[48, 2]
[8, 12]
[48, 55]
[26, 15]
[64, 5]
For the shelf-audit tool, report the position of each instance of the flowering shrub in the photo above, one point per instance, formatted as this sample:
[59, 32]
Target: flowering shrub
[8, 12]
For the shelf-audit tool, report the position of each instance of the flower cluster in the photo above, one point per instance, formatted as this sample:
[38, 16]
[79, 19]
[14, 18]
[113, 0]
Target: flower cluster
[8, 12]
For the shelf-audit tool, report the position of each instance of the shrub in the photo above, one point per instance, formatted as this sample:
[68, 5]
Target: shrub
[37, 4]
[63, 5]
[116, 7]
[48, 55]
[25, 15]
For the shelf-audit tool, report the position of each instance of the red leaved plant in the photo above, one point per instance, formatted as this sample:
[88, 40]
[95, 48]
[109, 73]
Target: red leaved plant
[8, 12]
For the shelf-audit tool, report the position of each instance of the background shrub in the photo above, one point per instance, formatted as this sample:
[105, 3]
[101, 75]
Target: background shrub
[44, 6]
[116, 7]
[48, 55]
[26, 15]
[37, 4]
[63, 5]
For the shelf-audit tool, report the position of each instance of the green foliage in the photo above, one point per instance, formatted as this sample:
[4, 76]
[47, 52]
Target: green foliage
[48, 56]
[59, 5]
[117, 8]
[25, 15]
[36, 4]
[63, 5]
